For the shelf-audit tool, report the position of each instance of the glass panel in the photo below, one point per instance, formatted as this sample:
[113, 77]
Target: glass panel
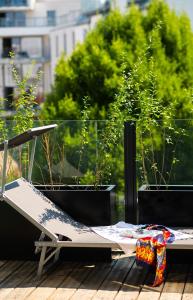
[72, 154]
[18, 19]
[16, 45]
[164, 153]
[51, 15]
[92, 5]
[32, 47]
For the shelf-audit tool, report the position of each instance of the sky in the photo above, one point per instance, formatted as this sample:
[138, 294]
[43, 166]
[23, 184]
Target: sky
[183, 5]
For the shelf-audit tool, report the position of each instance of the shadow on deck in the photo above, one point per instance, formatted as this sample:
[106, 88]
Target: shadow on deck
[120, 279]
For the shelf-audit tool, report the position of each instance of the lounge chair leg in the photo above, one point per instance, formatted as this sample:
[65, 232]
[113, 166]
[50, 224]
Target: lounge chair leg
[56, 256]
[41, 262]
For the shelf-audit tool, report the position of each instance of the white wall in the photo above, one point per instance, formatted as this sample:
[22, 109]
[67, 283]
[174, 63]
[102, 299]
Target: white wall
[54, 41]
[76, 33]
[23, 31]
[69, 36]
[47, 77]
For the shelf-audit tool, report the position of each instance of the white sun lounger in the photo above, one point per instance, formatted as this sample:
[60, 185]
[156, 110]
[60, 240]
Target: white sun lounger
[57, 225]
[57, 228]
[54, 224]
[51, 221]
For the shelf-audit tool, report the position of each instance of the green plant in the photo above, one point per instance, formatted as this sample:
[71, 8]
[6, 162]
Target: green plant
[25, 95]
[136, 66]
[83, 133]
[139, 99]
[95, 67]
[3, 128]
[25, 112]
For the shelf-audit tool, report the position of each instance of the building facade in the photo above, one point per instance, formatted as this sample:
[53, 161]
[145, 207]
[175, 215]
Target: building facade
[28, 27]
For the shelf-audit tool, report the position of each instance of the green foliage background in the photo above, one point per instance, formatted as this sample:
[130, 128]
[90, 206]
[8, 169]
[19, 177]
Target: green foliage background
[95, 68]
[132, 66]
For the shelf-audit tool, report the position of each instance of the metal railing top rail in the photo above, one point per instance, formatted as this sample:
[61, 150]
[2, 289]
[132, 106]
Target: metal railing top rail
[65, 20]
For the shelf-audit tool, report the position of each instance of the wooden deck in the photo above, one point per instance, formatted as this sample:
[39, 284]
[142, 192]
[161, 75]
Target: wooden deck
[120, 279]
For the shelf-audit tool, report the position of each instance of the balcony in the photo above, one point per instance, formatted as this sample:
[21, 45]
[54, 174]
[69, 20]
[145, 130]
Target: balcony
[22, 57]
[27, 22]
[15, 3]
[65, 20]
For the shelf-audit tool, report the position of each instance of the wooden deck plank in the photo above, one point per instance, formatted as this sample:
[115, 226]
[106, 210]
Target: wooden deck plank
[51, 282]
[92, 283]
[27, 286]
[131, 287]
[187, 297]
[148, 292]
[188, 290]
[175, 283]
[72, 282]
[2, 262]
[8, 268]
[34, 285]
[120, 280]
[15, 279]
[113, 281]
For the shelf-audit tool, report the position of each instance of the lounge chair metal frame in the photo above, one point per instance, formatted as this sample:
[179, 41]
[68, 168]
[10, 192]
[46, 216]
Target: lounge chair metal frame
[46, 248]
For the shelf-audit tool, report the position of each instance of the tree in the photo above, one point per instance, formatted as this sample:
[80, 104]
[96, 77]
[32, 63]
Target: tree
[95, 68]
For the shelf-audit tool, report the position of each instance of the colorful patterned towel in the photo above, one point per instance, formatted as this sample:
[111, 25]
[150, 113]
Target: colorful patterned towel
[152, 251]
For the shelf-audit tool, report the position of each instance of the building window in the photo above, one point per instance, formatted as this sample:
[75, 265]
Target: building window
[11, 44]
[13, 19]
[19, 18]
[13, 3]
[7, 47]
[57, 46]
[16, 44]
[65, 43]
[32, 46]
[51, 16]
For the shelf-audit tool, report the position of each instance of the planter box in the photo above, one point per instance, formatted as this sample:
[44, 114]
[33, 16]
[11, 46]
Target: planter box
[89, 207]
[17, 235]
[169, 205]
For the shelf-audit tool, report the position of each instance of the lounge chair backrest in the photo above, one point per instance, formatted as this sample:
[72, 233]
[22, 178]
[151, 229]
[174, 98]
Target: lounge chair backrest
[39, 210]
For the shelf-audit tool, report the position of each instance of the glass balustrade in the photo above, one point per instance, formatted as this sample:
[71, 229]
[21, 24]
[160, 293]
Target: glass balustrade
[15, 20]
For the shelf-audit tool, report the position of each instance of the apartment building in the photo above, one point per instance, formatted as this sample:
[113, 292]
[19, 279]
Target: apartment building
[64, 38]
[25, 27]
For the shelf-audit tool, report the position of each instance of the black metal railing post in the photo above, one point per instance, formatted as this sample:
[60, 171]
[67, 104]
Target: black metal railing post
[130, 172]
